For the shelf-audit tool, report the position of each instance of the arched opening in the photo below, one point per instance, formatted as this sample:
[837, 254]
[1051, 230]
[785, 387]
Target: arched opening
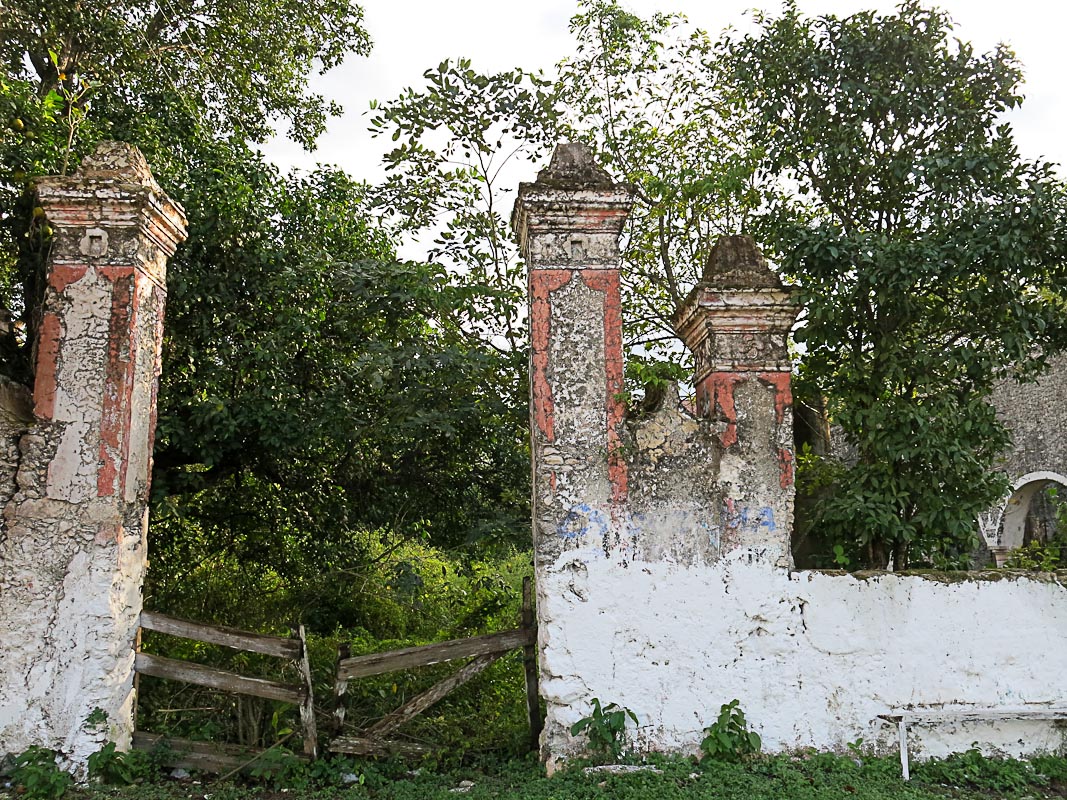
[1025, 514]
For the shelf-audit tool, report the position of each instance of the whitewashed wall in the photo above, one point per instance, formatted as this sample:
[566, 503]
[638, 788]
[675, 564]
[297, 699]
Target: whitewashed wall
[812, 657]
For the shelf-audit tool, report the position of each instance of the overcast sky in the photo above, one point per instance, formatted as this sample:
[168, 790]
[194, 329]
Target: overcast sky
[413, 35]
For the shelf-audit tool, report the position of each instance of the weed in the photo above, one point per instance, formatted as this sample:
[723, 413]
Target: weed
[280, 769]
[728, 738]
[606, 729]
[972, 769]
[97, 718]
[1038, 556]
[38, 776]
[114, 767]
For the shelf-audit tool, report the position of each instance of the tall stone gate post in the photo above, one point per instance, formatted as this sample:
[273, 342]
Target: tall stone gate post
[569, 222]
[72, 556]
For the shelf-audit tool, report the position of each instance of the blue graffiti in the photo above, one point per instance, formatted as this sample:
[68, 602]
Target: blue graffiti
[744, 520]
[582, 520]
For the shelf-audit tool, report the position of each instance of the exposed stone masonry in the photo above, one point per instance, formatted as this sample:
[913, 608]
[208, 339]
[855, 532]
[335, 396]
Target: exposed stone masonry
[73, 554]
[1036, 413]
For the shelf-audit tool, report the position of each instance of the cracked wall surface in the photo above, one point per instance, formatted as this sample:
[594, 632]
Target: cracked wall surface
[16, 413]
[73, 555]
[813, 657]
[661, 539]
[665, 487]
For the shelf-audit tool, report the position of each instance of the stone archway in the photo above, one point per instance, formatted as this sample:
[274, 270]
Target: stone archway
[1010, 517]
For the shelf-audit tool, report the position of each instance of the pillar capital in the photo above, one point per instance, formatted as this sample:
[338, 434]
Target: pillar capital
[111, 211]
[738, 318]
[572, 215]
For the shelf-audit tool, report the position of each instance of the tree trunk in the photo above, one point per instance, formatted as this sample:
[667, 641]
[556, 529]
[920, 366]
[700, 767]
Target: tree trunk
[878, 554]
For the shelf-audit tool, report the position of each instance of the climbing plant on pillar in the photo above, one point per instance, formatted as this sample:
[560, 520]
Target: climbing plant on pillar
[928, 252]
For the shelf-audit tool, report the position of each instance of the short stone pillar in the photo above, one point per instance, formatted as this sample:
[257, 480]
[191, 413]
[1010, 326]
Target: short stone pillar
[73, 555]
[736, 322]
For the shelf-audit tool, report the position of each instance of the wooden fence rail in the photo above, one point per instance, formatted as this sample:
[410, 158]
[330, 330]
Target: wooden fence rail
[483, 652]
[293, 649]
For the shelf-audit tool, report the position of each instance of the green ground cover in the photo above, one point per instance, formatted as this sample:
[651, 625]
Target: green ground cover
[800, 777]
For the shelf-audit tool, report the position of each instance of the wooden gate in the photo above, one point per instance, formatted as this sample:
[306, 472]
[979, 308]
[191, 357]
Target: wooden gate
[482, 650]
[208, 755]
[374, 740]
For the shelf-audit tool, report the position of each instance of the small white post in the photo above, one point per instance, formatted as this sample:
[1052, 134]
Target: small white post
[903, 729]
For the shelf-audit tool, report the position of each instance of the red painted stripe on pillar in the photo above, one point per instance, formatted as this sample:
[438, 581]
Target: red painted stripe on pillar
[118, 384]
[607, 281]
[542, 283]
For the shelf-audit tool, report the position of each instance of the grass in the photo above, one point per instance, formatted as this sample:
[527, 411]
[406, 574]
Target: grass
[819, 776]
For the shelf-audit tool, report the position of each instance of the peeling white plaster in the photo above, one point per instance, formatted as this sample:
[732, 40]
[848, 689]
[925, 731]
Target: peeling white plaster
[812, 657]
[72, 557]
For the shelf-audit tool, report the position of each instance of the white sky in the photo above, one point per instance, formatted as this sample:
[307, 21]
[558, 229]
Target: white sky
[411, 36]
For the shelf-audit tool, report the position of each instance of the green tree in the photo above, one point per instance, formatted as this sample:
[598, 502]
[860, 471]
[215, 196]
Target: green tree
[454, 139]
[927, 253]
[650, 96]
[236, 66]
[313, 388]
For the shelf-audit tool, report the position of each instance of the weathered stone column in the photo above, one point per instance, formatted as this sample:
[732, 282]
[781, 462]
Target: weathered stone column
[736, 322]
[73, 556]
[568, 223]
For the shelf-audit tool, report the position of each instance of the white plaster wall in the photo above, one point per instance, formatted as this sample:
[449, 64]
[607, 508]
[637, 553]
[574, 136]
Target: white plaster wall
[813, 658]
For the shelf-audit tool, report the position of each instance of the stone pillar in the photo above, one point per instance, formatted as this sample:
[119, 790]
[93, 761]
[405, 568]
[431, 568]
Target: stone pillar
[568, 223]
[73, 558]
[736, 322]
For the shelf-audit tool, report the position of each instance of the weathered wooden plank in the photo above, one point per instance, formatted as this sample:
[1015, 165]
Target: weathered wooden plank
[307, 705]
[377, 663]
[974, 714]
[203, 756]
[416, 705]
[198, 674]
[529, 663]
[218, 634]
[359, 746]
[340, 688]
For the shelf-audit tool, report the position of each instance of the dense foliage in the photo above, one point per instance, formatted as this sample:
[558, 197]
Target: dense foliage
[928, 253]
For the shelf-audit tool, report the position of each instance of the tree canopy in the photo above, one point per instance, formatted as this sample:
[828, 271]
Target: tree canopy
[928, 253]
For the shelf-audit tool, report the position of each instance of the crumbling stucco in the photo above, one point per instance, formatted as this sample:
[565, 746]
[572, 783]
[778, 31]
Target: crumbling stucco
[814, 658]
[667, 487]
[73, 555]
